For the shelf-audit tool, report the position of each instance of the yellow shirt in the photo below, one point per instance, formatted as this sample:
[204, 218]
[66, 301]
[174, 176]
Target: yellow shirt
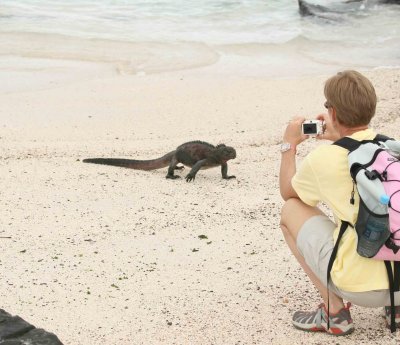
[324, 176]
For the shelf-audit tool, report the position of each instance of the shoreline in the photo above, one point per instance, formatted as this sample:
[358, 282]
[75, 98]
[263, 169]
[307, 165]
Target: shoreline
[32, 61]
[105, 255]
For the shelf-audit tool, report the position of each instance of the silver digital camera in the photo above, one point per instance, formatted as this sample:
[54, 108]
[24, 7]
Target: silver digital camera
[312, 128]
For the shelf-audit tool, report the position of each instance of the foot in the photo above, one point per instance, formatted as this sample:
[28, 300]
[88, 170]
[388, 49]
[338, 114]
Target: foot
[397, 316]
[173, 177]
[340, 323]
[190, 177]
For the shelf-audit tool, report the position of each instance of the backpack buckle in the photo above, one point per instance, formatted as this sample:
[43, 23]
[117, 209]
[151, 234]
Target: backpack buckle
[373, 175]
[391, 245]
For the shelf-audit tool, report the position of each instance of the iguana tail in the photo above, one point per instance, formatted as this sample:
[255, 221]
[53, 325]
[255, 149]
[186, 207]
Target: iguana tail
[150, 164]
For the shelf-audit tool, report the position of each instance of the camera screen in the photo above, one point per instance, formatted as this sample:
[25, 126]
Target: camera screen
[309, 128]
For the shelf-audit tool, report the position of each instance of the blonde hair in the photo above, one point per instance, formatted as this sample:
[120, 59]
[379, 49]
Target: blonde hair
[352, 96]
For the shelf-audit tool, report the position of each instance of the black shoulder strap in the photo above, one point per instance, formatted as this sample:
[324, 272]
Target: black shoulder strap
[381, 137]
[352, 144]
[348, 143]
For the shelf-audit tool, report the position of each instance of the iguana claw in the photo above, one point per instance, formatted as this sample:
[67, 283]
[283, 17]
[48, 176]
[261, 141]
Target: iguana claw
[190, 177]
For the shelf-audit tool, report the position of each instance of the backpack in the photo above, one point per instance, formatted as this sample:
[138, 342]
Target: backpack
[375, 170]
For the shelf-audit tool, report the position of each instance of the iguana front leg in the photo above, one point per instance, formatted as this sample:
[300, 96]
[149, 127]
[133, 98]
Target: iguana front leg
[192, 173]
[224, 172]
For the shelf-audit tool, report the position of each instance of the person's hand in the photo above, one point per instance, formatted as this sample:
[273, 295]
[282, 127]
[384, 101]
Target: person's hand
[329, 132]
[293, 134]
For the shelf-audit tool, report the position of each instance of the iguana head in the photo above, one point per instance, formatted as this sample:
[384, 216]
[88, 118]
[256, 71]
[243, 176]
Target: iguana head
[225, 152]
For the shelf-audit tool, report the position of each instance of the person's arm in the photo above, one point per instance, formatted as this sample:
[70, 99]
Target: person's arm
[286, 173]
[292, 136]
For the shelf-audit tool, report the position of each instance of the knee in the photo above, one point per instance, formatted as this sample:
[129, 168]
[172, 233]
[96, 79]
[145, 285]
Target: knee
[287, 211]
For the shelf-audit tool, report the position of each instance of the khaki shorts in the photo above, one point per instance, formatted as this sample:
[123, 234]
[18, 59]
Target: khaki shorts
[315, 243]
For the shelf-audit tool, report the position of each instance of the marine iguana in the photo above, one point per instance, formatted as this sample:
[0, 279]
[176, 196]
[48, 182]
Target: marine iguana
[195, 154]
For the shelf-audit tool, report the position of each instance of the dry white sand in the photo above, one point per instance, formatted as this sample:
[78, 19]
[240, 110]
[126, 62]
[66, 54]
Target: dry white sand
[106, 255]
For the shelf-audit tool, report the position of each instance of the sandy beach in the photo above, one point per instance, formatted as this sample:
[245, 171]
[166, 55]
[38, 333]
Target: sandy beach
[106, 255]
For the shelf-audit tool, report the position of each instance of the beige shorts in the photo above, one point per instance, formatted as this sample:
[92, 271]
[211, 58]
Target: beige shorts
[315, 243]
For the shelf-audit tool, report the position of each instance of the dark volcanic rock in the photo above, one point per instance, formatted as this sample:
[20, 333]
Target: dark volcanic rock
[16, 331]
[338, 9]
[13, 327]
[307, 9]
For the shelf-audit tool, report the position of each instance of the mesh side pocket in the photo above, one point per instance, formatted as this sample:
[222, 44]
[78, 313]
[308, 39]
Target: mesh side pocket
[372, 230]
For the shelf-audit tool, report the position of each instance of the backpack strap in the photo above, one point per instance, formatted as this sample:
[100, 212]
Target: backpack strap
[342, 230]
[391, 293]
[394, 281]
[381, 137]
[348, 143]
[396, 277]
[351, 144]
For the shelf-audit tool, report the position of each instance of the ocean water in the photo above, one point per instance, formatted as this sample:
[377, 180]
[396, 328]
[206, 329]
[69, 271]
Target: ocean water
[260, 37]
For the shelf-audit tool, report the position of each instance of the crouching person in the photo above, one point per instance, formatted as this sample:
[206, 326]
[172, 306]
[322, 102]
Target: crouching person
[323, 176]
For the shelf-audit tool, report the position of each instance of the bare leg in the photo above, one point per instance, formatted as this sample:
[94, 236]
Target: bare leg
[294, 214]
